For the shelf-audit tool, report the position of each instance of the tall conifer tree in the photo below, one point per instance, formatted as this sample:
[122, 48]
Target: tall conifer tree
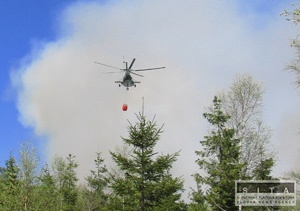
[220, 160]
[66, 179]
[10, 186]
[147, 183]
[97, 182]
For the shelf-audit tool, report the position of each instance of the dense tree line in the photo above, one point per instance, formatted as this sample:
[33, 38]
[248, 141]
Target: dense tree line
[142, 179]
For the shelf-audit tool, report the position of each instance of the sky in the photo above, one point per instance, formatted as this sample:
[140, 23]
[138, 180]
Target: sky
[53, 94]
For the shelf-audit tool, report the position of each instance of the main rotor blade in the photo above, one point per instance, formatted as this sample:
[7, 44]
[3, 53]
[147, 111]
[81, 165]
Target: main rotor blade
[156, 68]
[130, 66]
[136, 74]
[108, 65]
[112, 72]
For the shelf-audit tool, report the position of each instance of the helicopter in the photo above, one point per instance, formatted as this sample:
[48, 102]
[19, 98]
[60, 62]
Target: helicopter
[127, 80]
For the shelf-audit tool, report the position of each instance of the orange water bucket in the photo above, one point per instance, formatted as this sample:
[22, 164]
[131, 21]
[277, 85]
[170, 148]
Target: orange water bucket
[124, 107]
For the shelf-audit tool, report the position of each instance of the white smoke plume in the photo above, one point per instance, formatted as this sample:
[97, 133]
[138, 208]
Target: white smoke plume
[64, 96]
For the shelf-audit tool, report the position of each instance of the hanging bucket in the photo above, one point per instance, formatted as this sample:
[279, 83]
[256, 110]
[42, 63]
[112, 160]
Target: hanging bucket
[124, 107]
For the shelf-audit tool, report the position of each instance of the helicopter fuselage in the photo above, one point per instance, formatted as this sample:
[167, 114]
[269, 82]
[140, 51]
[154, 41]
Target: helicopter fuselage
[127, 80]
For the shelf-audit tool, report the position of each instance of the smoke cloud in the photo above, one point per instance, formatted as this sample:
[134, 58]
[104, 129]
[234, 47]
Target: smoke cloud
[63, 95]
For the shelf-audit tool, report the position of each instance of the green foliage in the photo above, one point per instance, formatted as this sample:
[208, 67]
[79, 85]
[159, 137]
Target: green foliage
[146, 182]
[66, 179]
[69, 188]
[28, 164]
[2, 180]
[97, 181]
[293, 15]
[19, 182]
[263, 170]
[96, 198]
[198, 201]
[47, 191]
[220, 160]
[10, 186]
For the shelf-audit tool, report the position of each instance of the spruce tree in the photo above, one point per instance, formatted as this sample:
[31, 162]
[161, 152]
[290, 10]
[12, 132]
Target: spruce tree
[47, 191]
[66, 179]
[10, 187]
[97, 182]
[69, 188]
[146, 183]
[219, 158]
